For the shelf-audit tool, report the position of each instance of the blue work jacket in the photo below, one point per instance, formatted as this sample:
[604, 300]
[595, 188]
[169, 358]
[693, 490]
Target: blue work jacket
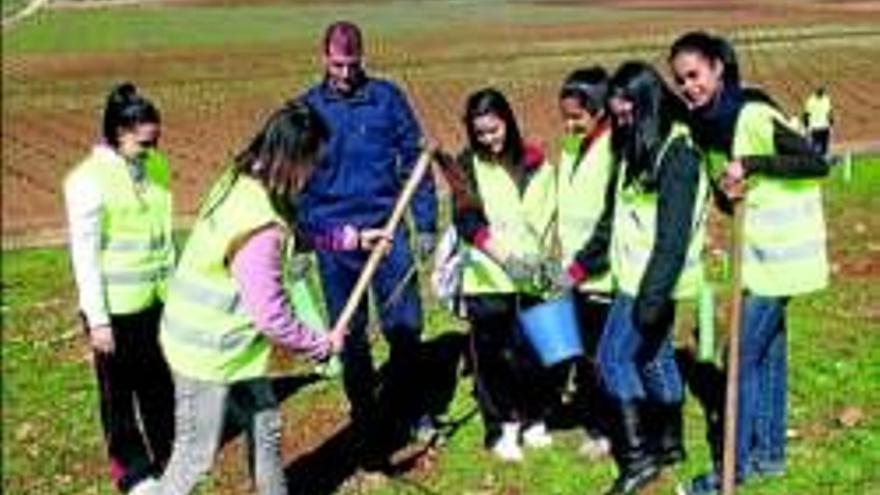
[373, 147]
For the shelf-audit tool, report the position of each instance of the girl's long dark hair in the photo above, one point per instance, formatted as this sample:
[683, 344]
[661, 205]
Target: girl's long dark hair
[280, 154]
[126, 108]
[655, 108]
[490, 101]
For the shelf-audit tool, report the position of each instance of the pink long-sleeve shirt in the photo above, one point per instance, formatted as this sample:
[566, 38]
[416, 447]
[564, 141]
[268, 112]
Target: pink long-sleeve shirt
[257, 268]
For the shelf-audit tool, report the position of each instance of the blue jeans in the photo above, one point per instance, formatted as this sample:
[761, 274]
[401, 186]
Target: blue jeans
[761, 420]
[634, 366]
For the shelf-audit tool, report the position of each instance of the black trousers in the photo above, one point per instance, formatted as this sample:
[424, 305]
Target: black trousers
[590, 400]
[819, 140]
[137, 399]
[510, 382]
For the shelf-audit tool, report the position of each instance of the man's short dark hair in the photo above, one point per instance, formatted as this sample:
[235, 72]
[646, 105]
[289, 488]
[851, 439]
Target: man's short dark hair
[345, 37]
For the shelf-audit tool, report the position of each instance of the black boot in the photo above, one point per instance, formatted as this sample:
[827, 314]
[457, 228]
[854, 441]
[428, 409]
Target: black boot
[637, 467]
[715, 437]
[663, 425]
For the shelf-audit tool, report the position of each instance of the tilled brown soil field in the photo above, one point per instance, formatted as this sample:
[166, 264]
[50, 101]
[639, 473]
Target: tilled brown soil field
[212, 98]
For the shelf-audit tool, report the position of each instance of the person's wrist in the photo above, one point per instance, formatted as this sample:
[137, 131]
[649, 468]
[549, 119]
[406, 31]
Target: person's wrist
[94, 318]
[576, 272]
[496, 250]
[482, 238]
[97, 323]
[98, 327]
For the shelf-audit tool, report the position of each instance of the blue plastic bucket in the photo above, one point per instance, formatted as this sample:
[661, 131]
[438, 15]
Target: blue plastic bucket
[552, 330]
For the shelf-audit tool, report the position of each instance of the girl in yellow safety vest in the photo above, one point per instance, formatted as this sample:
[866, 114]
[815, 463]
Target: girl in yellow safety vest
[119, 216]
[749, 145]
[657, 237]
[584, 184]
[229, 301]
[818, 118]
[503, 202]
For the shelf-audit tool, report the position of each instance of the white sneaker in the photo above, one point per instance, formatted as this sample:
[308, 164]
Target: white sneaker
[537, 437]
[595, 447]
[507, 447]
[147, 486]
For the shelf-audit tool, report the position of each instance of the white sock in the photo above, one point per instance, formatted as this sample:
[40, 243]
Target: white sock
[507, 446]
[536, 436]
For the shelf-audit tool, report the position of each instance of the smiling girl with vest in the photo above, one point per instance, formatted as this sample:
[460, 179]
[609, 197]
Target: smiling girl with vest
[503, 203]
[584, 183]
[658, 230]
[119, 215]
[749, 144]
[229, 301]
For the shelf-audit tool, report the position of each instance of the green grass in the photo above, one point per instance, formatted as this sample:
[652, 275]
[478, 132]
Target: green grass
[52, 444]
[46, 385]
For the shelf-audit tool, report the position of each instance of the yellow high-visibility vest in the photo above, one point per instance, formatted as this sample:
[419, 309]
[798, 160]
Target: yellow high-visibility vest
[784, 237]
[206, 333]
[818, 110]
[521, 222]
[137, 248]
[581, 189]
[635, 231]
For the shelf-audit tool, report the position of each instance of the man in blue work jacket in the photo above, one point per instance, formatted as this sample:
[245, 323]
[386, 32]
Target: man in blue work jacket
[373, 147]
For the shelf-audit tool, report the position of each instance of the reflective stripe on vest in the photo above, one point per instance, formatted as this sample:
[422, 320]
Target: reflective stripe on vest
[787, 215]
[635, 225]
[195, 336]
[127, 245]
[206, 334]
[796, 252]
[581, 190]
[521, 222]
[136, 278]
[136, 250]
[223, 301]
[784, 238]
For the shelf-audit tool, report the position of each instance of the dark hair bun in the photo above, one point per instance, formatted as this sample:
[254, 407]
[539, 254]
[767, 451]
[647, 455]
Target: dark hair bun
[122, 93]
[125, 108]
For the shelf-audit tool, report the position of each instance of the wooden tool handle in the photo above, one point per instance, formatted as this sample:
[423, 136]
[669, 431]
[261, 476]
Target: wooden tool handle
[728, 481]
[422, 166]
